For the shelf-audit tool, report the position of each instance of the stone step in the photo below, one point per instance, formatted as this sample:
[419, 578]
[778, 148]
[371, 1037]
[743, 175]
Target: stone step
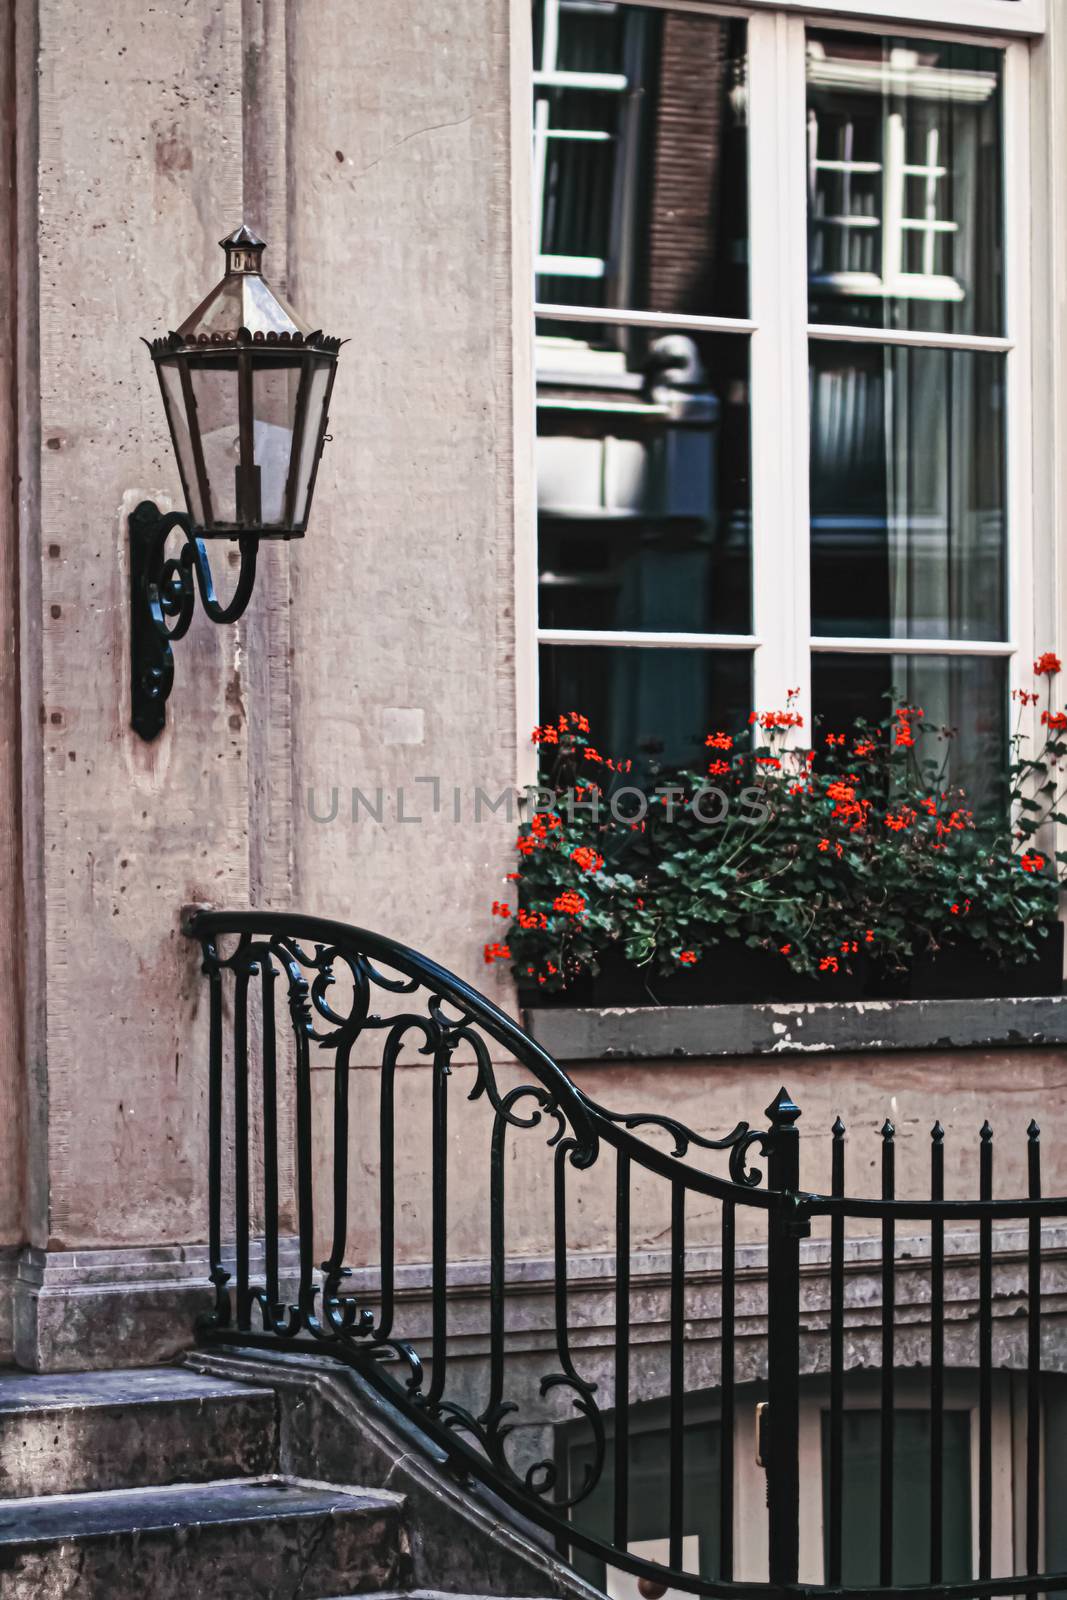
[272, 1539]
[76, 1432]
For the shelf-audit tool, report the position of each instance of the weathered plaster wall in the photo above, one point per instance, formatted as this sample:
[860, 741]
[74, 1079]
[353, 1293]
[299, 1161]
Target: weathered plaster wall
[961, 1088]
[403, 632]
[12, 1078]
[139, 170]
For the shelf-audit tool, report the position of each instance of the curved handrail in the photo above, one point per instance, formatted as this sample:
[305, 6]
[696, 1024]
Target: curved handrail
[305, 951]
[615, 1127]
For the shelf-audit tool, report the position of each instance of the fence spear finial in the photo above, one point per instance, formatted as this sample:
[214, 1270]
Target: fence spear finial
[783, 1110]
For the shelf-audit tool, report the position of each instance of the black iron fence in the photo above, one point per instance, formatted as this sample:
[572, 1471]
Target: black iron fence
[498, 1370]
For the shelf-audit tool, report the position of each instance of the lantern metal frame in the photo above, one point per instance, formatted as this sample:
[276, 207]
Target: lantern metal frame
[163, 588]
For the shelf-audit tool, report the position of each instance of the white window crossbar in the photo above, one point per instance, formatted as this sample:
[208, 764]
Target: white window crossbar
[658, 641]
[826, 643]
[616, 316]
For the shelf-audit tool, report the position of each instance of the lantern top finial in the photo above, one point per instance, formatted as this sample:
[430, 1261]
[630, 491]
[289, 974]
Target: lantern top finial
[244, 250]
[242, 299]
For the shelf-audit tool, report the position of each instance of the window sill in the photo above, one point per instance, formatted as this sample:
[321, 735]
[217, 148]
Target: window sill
[700, 1033]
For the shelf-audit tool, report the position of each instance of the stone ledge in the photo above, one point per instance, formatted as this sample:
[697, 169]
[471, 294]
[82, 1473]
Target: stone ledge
[84, 1310]
[700, 1033]
[9, 1265]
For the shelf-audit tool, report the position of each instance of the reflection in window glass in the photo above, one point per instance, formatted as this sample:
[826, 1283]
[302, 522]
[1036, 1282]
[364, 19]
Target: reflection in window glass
[967, 694]
[907, 492]
[648, 704]
[640, 158]
[643, 480]
[904, 183]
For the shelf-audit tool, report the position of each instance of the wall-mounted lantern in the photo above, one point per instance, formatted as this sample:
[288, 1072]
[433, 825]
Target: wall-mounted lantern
[246, 388]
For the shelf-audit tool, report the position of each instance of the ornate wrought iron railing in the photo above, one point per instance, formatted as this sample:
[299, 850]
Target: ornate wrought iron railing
[386, 1178]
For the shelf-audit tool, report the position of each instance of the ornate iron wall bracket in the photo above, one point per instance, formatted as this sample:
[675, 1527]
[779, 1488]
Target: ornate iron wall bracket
[162, 599]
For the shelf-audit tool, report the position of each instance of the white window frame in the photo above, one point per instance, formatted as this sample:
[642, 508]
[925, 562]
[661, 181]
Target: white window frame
[781, 640]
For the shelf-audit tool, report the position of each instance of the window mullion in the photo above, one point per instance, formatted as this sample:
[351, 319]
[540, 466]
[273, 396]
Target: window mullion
[1017, 271]
[778, 245]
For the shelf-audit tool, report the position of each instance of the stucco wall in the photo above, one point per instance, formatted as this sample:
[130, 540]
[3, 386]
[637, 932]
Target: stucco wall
[139, 170]
[402, 617]
[12, 1078]
[371, 148]
[962, 1089]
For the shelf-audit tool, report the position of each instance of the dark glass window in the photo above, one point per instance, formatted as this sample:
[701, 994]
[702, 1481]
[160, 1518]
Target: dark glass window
[908, 501]
[967, 694]
[649, 703]
[860, 1501]
[647, 1497]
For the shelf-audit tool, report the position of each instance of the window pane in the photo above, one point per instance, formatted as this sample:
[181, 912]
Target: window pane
[215, 392]
[643, 480]
[274, 391]
[968, 694]
[640, 158]
[174, 397]
[860, 1502]
[904, 183]
[648, 1520]
[310, 444]
[907, 492]
[648, 703]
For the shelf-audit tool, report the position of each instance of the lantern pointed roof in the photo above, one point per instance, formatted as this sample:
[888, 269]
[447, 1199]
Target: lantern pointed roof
[242, 298]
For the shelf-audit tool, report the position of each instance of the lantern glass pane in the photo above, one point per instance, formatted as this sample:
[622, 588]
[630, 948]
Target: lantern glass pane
[171, 382]
[275, 391]
[215, 391]
[310, 444]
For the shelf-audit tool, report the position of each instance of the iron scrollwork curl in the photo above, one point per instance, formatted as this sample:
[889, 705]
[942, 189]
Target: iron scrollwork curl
[163, 592]
[345, 987]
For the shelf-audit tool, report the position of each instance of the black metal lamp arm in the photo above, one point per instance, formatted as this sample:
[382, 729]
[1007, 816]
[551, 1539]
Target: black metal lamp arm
[162, 600]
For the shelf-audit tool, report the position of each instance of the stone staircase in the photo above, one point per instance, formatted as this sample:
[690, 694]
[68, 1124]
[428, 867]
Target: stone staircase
[164, 1482]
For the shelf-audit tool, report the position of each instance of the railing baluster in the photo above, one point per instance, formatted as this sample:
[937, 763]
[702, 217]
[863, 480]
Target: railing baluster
[885, 1535]
[496, 1265]
[559, 1232]
[622, 1351]
[439, 1225]
[726, 1389]
[387, 1179]
[270, 1139]
[240, 1143]
[937, 1357]
[1033, 1355]
[985, 1360]
[333, 1265]
[837, 1355]
[677, 1377]
[305, 1193]
[784, 1230]
[220, 1316]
